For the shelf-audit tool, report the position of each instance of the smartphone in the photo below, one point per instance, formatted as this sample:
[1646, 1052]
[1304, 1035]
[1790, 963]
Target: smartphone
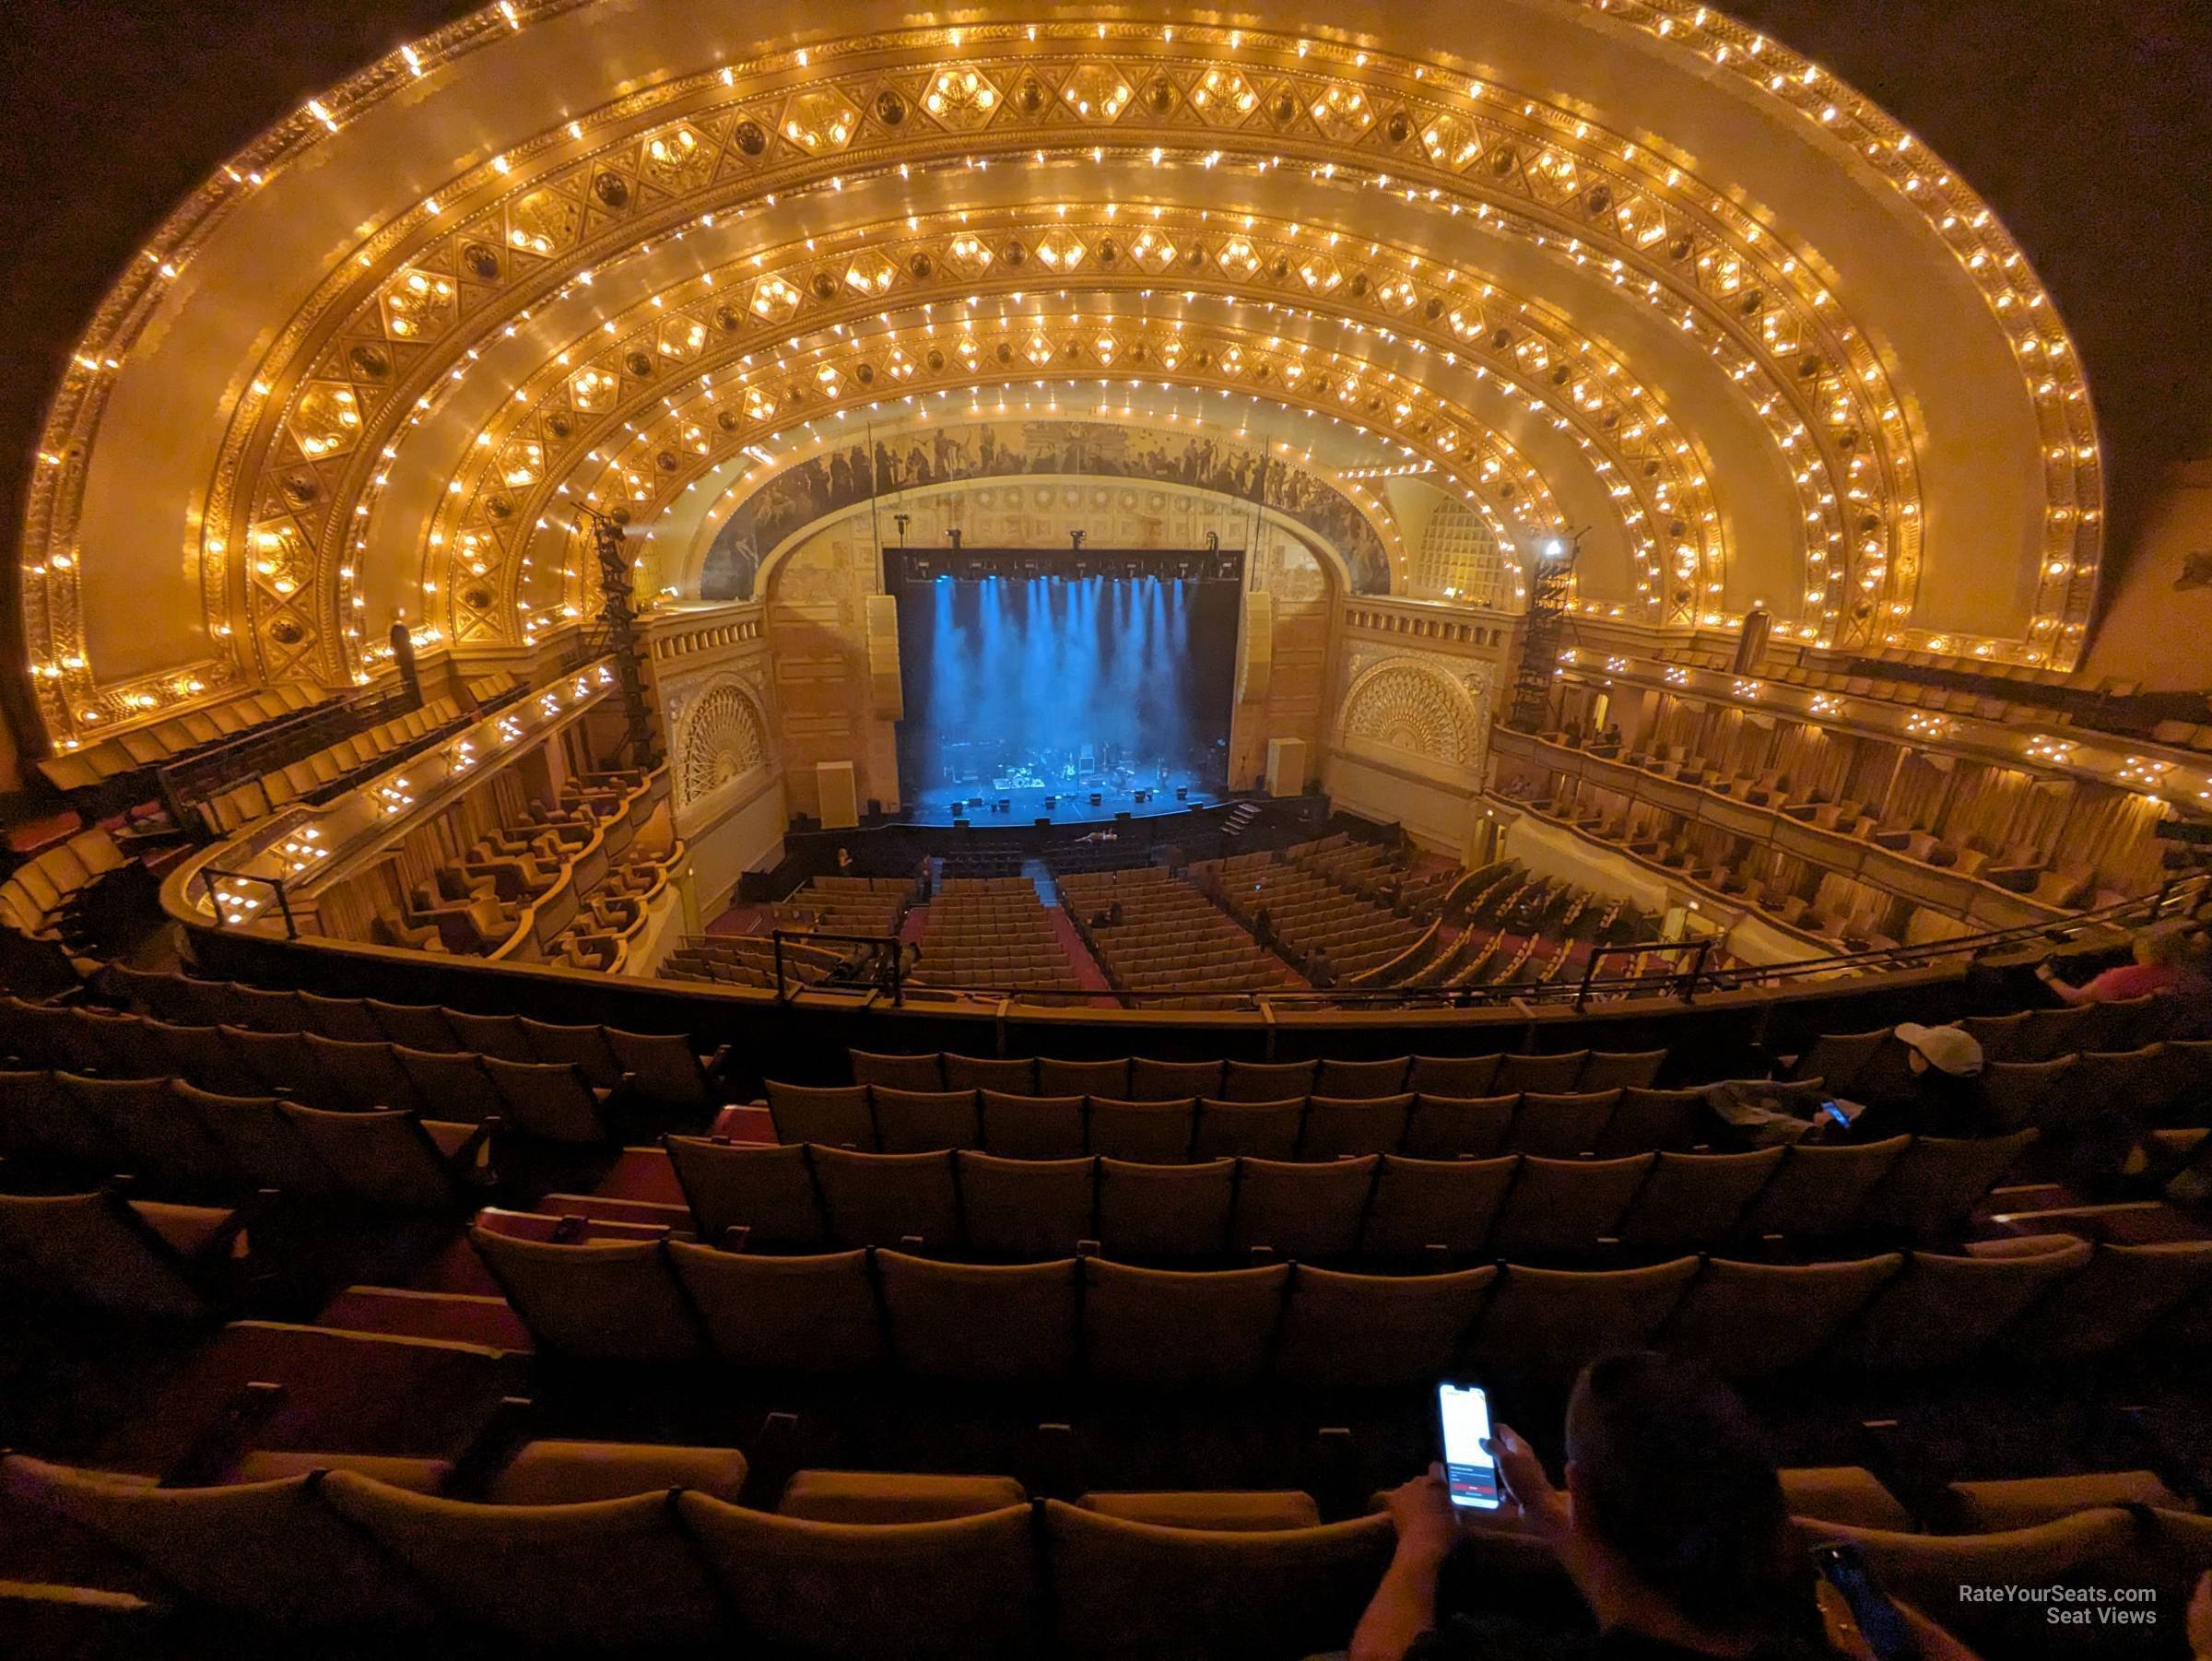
[1837, 1114]
[1470, 1473]
[1880, 1623]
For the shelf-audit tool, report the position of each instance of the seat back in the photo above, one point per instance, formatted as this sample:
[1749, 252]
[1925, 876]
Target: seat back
[501, 1035]
[1553, 1074]
[269, 1550]
[258, 1142]
[418, 1026]
[1133, 1591]
[1941, 1311]
[92, 1249]
[1651, 1121]
[1309, 1211]
[1449, 1205]
[344, 1017]
[1560, 1125]
[547, 1099]
[884, 1199]
[600, 1300]
[530, 1570]
[1171, 1329]
[1082, 1078]
[1265, 1130]
[2120, 1296]
[586, 1048]
[1164, 1212]
[385, 1158]
[1840, 1058]
[2050, 1032]
[38, 1118]
[766, 1190]
[1001, 1323]
[1453, 1127]
[1031, 1127]
[1157, 1131]
[1026, 1209]
[1820, 1189]
[925, 1121]
[1620, 1069]
[937, 1591]
[1172, 1081]
[1938, 1180]
[151, 1133]
[1547, 1325]
[1748, 1320]
[1343, 1331]
[899, 1072]
[815, 1313]
[662, 1066]
[835, 1117]
[362, 1074]
[1266, 1080]
[1016, 1076]
[1694, 1199]
[1456, 1076]
[455, 1080]
[1559, 1206]
[1355, 1080]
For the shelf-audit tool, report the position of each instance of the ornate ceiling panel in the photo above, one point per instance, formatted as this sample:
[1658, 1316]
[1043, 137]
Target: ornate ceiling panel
[1456, 264]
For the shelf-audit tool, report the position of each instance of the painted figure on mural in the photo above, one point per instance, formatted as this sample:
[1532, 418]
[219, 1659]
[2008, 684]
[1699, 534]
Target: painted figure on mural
[824, 483]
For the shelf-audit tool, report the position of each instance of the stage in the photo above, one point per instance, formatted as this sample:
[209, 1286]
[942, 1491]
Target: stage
[1071, 803]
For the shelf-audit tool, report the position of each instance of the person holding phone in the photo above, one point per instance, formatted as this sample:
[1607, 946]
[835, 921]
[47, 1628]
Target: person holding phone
[1672, 1528]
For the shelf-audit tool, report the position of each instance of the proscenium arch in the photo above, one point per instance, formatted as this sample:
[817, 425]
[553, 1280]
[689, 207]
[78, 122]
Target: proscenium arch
[1733, 88]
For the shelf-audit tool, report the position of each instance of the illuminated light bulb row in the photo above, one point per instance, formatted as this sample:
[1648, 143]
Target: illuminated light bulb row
[1828, 113]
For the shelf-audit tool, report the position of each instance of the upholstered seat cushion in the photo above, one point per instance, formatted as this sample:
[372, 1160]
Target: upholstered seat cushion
[2024, 1502]
[567, 1473]
[817, 1496]
[1843, 1493]
[420, 1475]
[187, 1229]
[1245, 1509]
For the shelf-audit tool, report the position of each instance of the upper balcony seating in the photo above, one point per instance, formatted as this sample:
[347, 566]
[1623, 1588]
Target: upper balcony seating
[50, 896]
[177, 738]
[330, 770]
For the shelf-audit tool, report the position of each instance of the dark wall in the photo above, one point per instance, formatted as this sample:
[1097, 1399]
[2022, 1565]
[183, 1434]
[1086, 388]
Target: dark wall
[2086, 126]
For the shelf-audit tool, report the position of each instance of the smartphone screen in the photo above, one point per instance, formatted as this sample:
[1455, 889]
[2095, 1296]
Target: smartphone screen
[1470, 1473]
[1880, 1623]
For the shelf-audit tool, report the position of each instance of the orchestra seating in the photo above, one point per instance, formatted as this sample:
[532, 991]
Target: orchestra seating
[1170, 936]
[846, 905]
[1308, 910]
[992, 932]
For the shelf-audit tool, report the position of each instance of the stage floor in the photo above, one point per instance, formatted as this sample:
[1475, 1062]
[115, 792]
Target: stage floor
[1072, 805]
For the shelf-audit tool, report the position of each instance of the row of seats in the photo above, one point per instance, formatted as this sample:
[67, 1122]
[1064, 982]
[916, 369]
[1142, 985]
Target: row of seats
[374, 1040]
[600, 1546]
[1864, 1064]
[634, 1544]
[992, 932]
[178, 737]
[751, 960]
[1381, 1206]
[2056, 1300]
[846, 905]
[1140, 1079]
[878, 1119]
[40, 894]
[1309, 912]
[1170, 936]
[333, 768]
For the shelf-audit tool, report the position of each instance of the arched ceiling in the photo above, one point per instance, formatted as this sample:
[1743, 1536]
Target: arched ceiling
[1690, 295]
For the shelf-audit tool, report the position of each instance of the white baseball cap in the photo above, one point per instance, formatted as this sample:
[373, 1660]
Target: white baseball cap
[1947, 1048]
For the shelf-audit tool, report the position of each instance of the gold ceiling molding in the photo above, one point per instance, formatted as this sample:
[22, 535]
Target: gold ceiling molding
[767, 312]
[537, 220]
[712, 424]
[1418, 133]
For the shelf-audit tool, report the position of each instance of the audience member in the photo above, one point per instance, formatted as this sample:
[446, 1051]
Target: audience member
[1321, 973]
[2174, 962]
[1945, 1064]
[1672, 1528]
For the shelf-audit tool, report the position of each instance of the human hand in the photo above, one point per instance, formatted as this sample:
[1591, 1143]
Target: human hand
[1542, 1506]
[1421, 1511]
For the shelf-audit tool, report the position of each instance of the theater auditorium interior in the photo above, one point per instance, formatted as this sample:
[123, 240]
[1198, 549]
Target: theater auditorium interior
[829, 832]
